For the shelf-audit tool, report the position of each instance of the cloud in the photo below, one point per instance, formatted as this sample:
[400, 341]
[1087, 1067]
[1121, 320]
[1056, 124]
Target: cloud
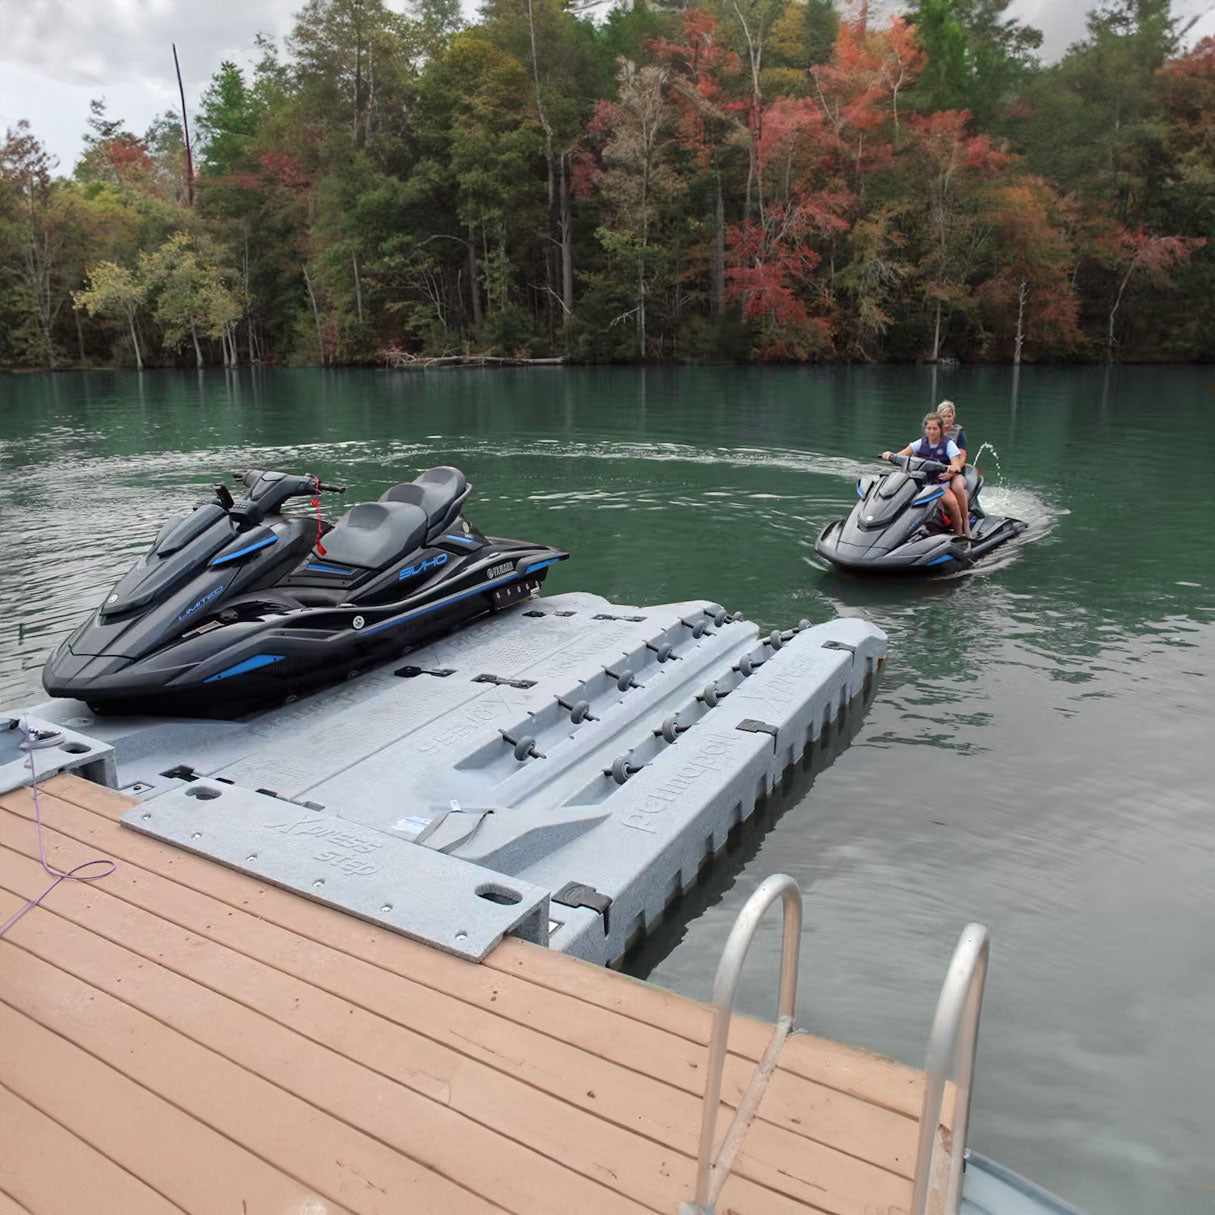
[123, 41]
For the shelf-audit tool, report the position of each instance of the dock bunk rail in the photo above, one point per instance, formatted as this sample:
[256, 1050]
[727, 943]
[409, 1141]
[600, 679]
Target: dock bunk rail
[951, 1051]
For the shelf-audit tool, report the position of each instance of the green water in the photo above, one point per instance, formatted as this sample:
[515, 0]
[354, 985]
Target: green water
[1038, 756]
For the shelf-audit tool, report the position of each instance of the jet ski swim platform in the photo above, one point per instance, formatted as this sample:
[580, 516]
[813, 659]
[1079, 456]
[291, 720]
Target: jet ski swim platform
[559, 771]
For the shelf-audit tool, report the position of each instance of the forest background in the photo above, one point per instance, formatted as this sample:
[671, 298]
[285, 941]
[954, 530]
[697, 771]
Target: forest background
[738, 180]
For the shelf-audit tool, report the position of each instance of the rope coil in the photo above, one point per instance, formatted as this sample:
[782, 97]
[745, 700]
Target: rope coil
[76, 874]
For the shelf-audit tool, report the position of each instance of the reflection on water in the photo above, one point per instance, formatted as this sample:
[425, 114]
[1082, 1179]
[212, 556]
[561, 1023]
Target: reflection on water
[1037, 754]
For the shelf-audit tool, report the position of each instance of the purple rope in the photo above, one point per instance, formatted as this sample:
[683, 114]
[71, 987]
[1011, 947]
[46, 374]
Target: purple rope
[77, 874]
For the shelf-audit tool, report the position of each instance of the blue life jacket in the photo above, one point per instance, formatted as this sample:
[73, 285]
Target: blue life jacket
[938, 452]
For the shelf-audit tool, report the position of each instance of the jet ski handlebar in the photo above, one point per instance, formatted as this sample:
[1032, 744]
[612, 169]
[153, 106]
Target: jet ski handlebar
[914, 464]
[283, 485]
[267, 491]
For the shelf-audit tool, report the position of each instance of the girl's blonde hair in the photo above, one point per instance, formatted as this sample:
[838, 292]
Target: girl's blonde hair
[933, 417]
[947, 405]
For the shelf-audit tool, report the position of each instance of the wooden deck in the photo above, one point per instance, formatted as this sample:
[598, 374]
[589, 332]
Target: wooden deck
[179, 1036]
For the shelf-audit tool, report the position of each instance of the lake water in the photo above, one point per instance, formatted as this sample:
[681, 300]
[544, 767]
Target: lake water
[1039, 752]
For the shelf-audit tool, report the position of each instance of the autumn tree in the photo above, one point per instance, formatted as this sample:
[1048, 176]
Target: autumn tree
[112, 153]
[638, 184]
[1139, 254]
[1035, 260]
[192, 292]
[113, 290]
[950, 168]
[709, 127]
[38, 215]
[772, 258]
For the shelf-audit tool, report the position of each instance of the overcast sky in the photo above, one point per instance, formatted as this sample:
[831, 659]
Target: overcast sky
[55, 55]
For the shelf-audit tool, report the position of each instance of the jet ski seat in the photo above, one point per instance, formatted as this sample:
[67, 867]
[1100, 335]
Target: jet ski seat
[439, 492]
[373, 533]
[970, 478]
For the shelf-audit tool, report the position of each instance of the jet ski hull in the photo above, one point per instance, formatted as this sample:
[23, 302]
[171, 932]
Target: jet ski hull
[236, 606]
[896, 529]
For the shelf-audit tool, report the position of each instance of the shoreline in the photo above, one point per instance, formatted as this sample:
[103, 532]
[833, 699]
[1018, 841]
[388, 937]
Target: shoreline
[504, 362]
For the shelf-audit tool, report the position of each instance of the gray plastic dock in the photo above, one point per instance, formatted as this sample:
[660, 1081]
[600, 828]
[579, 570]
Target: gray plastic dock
[559, 771]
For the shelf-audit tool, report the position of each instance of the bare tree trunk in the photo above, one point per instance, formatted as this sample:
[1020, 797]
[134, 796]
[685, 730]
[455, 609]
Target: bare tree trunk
[1126, 278]
[135, 339]
[567, 244]
[370, 112]
[755, 55]
[641, 305]
[185, 129]
[358, 77]
[719, 252]
[358, 287]
[316, 316]
[197, 347]
[548, 142]
[936, 336]
[248, 317]
[79, 334]
[1020, 324]
[474, 285]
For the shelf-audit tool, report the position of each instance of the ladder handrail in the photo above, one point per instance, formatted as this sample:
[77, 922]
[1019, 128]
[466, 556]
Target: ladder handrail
[955, 1032]
[710, 1174]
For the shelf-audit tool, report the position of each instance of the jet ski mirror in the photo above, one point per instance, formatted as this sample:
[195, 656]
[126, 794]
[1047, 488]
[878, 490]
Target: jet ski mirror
[224, 496]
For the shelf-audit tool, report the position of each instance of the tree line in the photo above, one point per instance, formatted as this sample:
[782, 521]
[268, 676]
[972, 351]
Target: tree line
[700, 180]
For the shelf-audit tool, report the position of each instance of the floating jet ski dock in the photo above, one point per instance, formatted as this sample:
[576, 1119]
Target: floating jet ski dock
[559, 771]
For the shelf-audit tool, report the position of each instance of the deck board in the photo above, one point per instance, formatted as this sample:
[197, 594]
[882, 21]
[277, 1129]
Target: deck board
[530, 1083]
[45, 1167]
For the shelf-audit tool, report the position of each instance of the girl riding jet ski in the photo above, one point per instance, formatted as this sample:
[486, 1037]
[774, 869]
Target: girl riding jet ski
[902, 523]
[935, 446]
[237, 605]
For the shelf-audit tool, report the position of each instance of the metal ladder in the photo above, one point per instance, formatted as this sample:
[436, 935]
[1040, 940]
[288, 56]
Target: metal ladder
[951, 1047]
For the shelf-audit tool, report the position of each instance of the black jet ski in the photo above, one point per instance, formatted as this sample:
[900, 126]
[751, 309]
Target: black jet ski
[237, 604]
[899, 526]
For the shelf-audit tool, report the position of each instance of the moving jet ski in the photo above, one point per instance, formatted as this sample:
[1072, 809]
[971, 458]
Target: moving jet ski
[899, 526]
[237, 604]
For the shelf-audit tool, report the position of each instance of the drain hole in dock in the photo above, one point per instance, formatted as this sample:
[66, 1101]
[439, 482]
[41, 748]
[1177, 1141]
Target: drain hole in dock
[503, 895]
[75, 748]
[202, 793]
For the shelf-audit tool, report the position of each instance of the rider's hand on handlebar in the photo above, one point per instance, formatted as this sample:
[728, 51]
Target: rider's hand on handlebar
[947, 475]
[886, 456]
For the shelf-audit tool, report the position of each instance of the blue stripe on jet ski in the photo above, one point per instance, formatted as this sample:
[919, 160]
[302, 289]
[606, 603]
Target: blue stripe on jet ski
[442, 603]
[531, 569]
[940, 493]
[463, 539]
[938, 560]
[240, 552]
[250, 664]
[860, 493]
[329, 569]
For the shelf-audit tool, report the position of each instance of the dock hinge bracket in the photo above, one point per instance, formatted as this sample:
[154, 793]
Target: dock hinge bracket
[752, 725]
[579, 894]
